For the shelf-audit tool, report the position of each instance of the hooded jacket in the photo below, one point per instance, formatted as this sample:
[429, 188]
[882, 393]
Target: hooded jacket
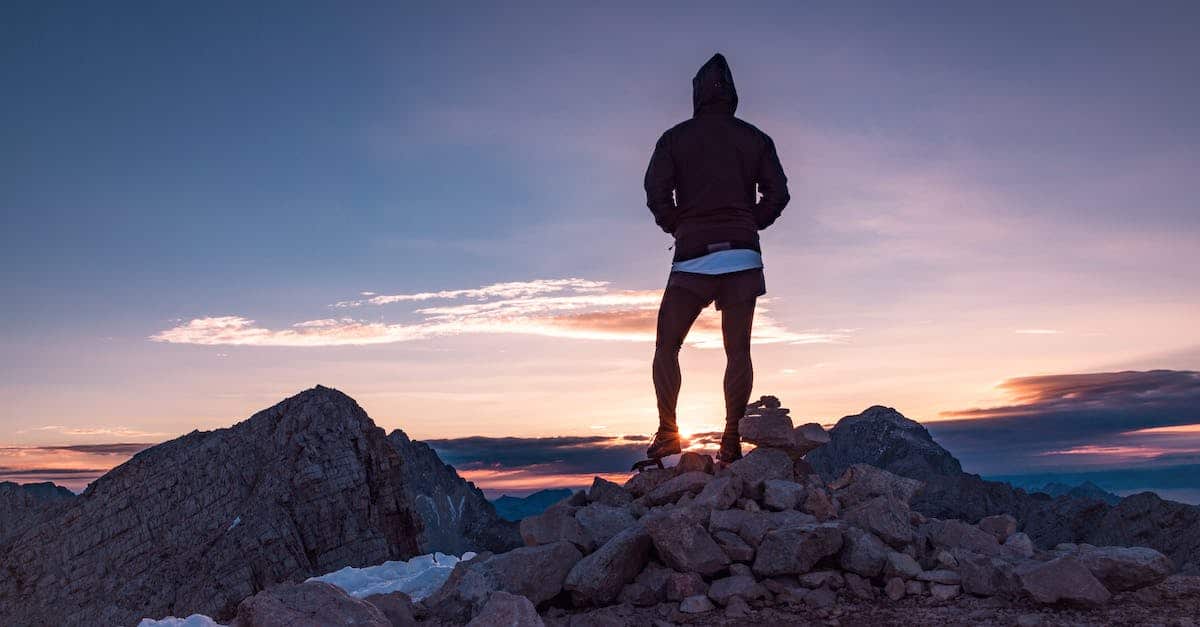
[703, 176]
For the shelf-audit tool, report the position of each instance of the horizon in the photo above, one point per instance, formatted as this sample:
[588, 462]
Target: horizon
[994, 228]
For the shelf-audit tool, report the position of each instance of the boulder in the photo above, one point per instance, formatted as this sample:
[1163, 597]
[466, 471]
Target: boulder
[669, 491]
[860, 587]
[473, 581]
[987, 576]
[685, 545]
[781, 494]
[831, 579]
[944, 577]
[696, 604]
[943, 592]
[1019, 544]
[862, 553]
[762, 464]
[894, 588]
[507, 610]
[1001, 526]
[598, 578]
[885, 516]
[861, 482]
[655, 577]
[720, 493]
[606, 492]
[396, 606]
[817, 499]
[555, 524]
[308, 604]
[914, 588]
[767, 429]
[679, 585]
[691, 461]
[602, 522]
[643, 482]
[637, 594]
[956, 534]
[1122, 568]
[807, 437]
[820, 598]
[795, 550]
[900, 565]
[1063, 579]
[744, 586]
[734, 546]
[737, 608]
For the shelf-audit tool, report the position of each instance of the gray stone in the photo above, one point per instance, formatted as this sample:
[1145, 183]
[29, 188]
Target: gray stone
[894, 588]
[987, 576]
[914, 588]
[767, 429]
[737, 608]
[762, 464]
[608, 493]
[601, 522]
[740, 569]
[507, 610]
[831, 579]
[807, 437]
[1001, 526]
[820, 598]
[885, 516]
[945, 577]
[1063, 579]
[598, 578]
[1020, 544]
[782, 495]
[861, 482]
[956, 534]
[943, 592]
[670, 491]
[556, 523]
[863, 553]
[860, 587]
[817, 500]
[720, 493]
[308, 604]
[396, 606]
[743, 586]
[1125, 568]
[685, 545]
[795, 550]
[900, 565]
[734, 546]
[638, 594]
[472, 582]
[682, 585]
[696, 604]
[694, 462]
[643, 482]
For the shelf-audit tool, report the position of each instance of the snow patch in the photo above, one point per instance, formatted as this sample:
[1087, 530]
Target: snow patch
[195, 620]
[419, 577]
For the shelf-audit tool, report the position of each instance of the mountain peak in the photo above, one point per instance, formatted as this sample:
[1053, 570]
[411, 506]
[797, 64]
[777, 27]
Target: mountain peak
[885, 438]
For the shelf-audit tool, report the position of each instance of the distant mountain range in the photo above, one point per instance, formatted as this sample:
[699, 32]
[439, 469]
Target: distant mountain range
[516, 508]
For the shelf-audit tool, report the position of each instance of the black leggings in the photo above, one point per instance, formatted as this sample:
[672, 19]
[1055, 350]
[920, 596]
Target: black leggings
[676, 314]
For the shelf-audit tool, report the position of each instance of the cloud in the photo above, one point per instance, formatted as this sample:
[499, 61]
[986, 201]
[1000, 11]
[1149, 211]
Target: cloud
[1066, 421]
[115, 431]
[1037, 332]
[117, 448]
[561, 308]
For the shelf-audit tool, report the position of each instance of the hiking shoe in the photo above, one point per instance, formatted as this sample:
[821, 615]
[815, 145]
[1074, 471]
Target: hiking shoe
[731, 448]
[665, 443]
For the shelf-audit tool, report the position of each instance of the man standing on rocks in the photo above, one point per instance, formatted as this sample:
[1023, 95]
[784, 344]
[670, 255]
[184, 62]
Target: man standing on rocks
[702, 185]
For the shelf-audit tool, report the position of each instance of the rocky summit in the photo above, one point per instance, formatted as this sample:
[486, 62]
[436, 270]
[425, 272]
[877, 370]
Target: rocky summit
[199, 523]
[767, 539]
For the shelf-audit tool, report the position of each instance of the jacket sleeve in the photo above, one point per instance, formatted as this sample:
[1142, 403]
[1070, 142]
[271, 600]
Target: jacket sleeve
[772, 184]
[660, 185]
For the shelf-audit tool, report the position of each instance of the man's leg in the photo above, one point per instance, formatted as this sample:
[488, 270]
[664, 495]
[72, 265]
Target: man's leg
[676, 314]
[736, 322]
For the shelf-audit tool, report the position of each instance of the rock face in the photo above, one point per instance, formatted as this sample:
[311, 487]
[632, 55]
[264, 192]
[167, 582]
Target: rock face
[883, 438]
[309, 604]
[199, 523]
[21, 505]
[455, 516]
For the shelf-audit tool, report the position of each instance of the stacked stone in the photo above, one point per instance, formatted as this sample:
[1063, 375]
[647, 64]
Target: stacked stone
[766, 531]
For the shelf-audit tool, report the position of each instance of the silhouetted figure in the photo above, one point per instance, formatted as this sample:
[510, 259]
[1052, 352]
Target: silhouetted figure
[701, 186]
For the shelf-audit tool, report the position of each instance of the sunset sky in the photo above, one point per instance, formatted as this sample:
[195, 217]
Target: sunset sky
[994, 225]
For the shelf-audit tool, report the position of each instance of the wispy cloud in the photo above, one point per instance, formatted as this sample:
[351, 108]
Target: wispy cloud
[113, 431]
[1037, 332]
[586, 310]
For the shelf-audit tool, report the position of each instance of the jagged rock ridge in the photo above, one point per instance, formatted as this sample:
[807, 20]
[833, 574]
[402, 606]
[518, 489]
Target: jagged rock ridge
[203, 521]
[22, 505]
[882, 437]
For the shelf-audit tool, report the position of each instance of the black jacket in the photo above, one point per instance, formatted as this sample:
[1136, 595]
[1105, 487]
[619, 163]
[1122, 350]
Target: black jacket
[700, 184]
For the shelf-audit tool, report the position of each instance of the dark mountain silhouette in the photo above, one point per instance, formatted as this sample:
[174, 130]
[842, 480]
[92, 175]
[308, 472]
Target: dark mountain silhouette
[203, 521]
[516, 508]
[882, 437]
[22, 504]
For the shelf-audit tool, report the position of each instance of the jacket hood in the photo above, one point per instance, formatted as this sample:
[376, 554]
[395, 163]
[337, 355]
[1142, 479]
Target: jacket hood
[712, 88]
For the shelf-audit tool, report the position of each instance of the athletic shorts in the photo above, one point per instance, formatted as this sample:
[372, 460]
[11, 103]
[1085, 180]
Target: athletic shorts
[726, 289]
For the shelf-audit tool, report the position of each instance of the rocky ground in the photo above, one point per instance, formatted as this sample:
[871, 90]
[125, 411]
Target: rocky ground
[767, 540]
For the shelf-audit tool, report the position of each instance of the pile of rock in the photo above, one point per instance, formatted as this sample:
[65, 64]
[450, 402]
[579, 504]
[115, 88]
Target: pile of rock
[765, 531]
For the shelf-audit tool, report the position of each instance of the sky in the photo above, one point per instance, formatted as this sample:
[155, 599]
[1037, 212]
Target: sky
[210, 207]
